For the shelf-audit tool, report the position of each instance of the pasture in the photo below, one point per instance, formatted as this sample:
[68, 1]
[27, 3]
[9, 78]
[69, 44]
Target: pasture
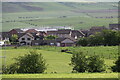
[59, 61]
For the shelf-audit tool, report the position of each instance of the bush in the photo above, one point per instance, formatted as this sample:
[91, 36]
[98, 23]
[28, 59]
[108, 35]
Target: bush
[30, 63]
[78, 61]
[82, 63]
[95, 64]
[82, 42]
[116, 67]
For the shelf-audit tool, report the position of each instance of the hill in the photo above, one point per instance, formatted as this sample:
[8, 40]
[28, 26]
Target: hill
[11, 7]
[77, 15]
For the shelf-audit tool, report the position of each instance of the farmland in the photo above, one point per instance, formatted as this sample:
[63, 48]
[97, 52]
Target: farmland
[76, 15]
[59, 61]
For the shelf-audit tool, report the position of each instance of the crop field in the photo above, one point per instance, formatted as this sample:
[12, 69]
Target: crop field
[76, 15]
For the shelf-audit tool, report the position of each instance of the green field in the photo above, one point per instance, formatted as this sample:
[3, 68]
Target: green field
[73, 75]
[59, 61]
[76, 15]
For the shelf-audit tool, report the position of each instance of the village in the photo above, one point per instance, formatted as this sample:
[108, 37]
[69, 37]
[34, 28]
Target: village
[60, 37]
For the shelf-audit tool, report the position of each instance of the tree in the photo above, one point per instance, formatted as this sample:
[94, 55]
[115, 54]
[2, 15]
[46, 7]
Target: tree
[82, 63]
[110, 37]
[82, 42]
[29, 63]
[95, 40]
[95, 64]
[50, 37]
[79, 62]
[14, 38]
[116, 67]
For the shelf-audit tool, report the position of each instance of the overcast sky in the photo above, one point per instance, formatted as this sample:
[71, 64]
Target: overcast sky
[61, 0]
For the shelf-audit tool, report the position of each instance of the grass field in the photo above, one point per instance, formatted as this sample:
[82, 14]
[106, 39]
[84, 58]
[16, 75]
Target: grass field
[58, 61]
[73, 75]
[77, 15]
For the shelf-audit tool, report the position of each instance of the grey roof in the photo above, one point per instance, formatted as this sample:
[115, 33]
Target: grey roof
[5, 35]
[77, 33]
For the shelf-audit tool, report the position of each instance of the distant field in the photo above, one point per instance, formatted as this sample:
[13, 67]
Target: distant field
[58, 61]
[76, 15]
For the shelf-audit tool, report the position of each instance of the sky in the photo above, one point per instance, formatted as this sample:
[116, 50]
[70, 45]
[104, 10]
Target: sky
[60, 0]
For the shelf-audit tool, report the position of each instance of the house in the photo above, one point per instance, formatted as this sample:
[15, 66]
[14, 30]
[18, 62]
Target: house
[31, 31]
[60, 33]
[77, 34]
[5, 35]
[66, 33]
[95, 29]
[65, 42]
[15, 31]
[44, 42]
[25, 38]
[85, 32]
[2, 43]
[56, 42]
[114, 26]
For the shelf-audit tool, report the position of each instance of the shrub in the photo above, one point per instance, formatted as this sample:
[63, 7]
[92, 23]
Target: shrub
[82, 63]
[78, 61]
[116, 67]
[29, 63]
[95, 64]
[82, 42]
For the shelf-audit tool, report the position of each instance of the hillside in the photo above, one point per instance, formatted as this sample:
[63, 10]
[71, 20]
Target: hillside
[77, 15]
[11, 7]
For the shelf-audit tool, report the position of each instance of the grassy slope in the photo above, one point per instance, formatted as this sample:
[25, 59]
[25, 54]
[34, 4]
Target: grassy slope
[52, 11]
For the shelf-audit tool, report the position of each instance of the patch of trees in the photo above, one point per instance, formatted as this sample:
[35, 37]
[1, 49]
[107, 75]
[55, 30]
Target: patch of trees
[29, 63]
[14, 39]
[106, 38]
[116, 67]
[82, 63]
[50, 37]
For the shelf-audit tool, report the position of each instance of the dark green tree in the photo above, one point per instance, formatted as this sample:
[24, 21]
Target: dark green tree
[79, 62]
[116, 67]
[95, 64]
[82, 42]
[50, 37]
[14, 39]
[95, 40]
[29, 63]
[110, 37]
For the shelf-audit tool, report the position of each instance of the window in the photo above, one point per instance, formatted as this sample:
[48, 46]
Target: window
[36, 43]
[28, 43]
[51, 43]
[23, 38]
[28, 39]
[37, 38]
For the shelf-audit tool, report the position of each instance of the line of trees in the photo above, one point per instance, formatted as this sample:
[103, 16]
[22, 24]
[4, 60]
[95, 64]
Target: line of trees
[106, 38]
